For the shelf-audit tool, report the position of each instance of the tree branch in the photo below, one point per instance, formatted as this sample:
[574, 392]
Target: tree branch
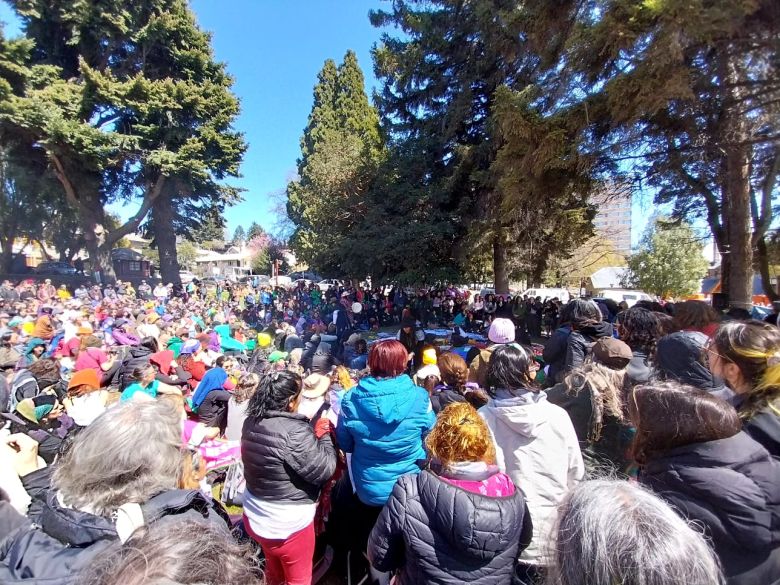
[132, 224]
[70, 191]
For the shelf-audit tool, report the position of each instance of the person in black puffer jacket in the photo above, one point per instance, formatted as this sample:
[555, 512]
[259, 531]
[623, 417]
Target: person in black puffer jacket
[138, 356]
[286, 463]
[95, 501]
[466, 522]
[588, 326]
[693, 454]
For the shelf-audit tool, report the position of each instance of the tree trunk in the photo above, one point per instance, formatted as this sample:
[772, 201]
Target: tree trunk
[762, 259]
[7, 257]
[165, 238]
[500, 276]
[91, 220]
[737, 276]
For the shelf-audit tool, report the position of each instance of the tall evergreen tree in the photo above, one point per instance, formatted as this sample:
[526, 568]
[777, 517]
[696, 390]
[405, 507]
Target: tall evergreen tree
[340, 151]
[255, 230]
[127, 102]
[452, 79]
[239, 236]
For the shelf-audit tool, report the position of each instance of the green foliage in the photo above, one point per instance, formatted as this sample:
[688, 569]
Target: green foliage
[212, 229]
[255, 230]
[239, 236]
[186, 254]
[670, 262]
[127, 101]
[469, 89]
[340, 152]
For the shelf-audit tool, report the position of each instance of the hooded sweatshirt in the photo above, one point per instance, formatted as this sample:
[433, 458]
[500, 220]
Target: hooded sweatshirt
[678, 357]
[536, 446]
[382, 423]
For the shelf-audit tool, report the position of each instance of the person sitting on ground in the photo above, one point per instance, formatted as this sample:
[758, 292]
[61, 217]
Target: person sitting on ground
[459, 521]
[691, 453]
[238, 404]
[146, 385]
[120, 473]
[616, 532]
[211, 397]
[536, 444]
[85, 401]
[360, 360]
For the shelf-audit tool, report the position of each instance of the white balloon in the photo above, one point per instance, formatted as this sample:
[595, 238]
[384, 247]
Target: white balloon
[357, 307]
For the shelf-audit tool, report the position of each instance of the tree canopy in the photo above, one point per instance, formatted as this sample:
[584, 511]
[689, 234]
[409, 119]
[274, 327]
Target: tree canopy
[669, 263]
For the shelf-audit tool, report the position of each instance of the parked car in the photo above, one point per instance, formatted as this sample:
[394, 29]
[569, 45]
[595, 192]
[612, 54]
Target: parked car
[305, 274]
[548, 293]
[324, 285]
[55, 268]
[186, 276]
[630, 296]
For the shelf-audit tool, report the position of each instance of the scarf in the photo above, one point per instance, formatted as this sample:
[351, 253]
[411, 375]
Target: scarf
[213, 380]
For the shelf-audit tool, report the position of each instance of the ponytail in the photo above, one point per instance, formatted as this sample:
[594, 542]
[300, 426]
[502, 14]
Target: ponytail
[273, 393]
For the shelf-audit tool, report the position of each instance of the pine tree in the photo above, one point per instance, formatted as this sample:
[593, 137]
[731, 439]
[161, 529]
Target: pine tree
[239, 236]
[340, 151]
[127, 102]
[255, 230]
[456, 80]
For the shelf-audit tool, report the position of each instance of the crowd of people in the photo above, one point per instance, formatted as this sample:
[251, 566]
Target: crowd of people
[242, 433]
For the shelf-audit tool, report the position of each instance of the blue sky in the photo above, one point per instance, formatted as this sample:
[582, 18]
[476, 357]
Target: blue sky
[274, 50]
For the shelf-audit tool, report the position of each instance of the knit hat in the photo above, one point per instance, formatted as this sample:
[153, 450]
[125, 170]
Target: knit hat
[501, 331]
[88, 377]
[612, 352]
[152, 318]
[429, 357]
[84, 331]
[263, 339]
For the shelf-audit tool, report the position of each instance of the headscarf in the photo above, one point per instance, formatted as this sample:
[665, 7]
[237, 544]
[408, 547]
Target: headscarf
[213, 380]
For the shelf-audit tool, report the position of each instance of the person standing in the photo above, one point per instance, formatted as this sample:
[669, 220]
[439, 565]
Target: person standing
[286, 463]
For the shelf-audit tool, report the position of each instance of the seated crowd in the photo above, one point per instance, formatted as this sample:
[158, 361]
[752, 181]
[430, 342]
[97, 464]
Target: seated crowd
[173, 441]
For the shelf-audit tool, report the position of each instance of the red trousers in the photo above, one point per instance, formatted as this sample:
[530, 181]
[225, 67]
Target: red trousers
[287, 561]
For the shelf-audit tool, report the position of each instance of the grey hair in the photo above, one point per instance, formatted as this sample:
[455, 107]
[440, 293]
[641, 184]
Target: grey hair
[130, 453]
[181, 551]
[611, 532]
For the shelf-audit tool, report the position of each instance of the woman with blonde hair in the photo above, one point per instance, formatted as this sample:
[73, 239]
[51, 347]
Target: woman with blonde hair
[460, 520]
[747, 356]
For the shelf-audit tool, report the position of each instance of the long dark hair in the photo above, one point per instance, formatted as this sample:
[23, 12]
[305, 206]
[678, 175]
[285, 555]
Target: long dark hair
[669, 415]
[508, 369]
[273, 393]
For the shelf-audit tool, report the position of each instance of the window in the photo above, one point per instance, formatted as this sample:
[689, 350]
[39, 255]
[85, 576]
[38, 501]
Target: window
[135, 267]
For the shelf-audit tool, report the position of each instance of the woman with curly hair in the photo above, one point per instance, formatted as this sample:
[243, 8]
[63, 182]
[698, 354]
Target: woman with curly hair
[461, 520]
[640, 329]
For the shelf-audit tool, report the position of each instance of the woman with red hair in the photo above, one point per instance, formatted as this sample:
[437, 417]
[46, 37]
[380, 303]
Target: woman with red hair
[382, 424]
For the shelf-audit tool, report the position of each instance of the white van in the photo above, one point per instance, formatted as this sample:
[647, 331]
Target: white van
[619, 295]
[547, 293]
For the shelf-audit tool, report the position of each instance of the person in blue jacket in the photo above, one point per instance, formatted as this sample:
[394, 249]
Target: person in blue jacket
[382, 423]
